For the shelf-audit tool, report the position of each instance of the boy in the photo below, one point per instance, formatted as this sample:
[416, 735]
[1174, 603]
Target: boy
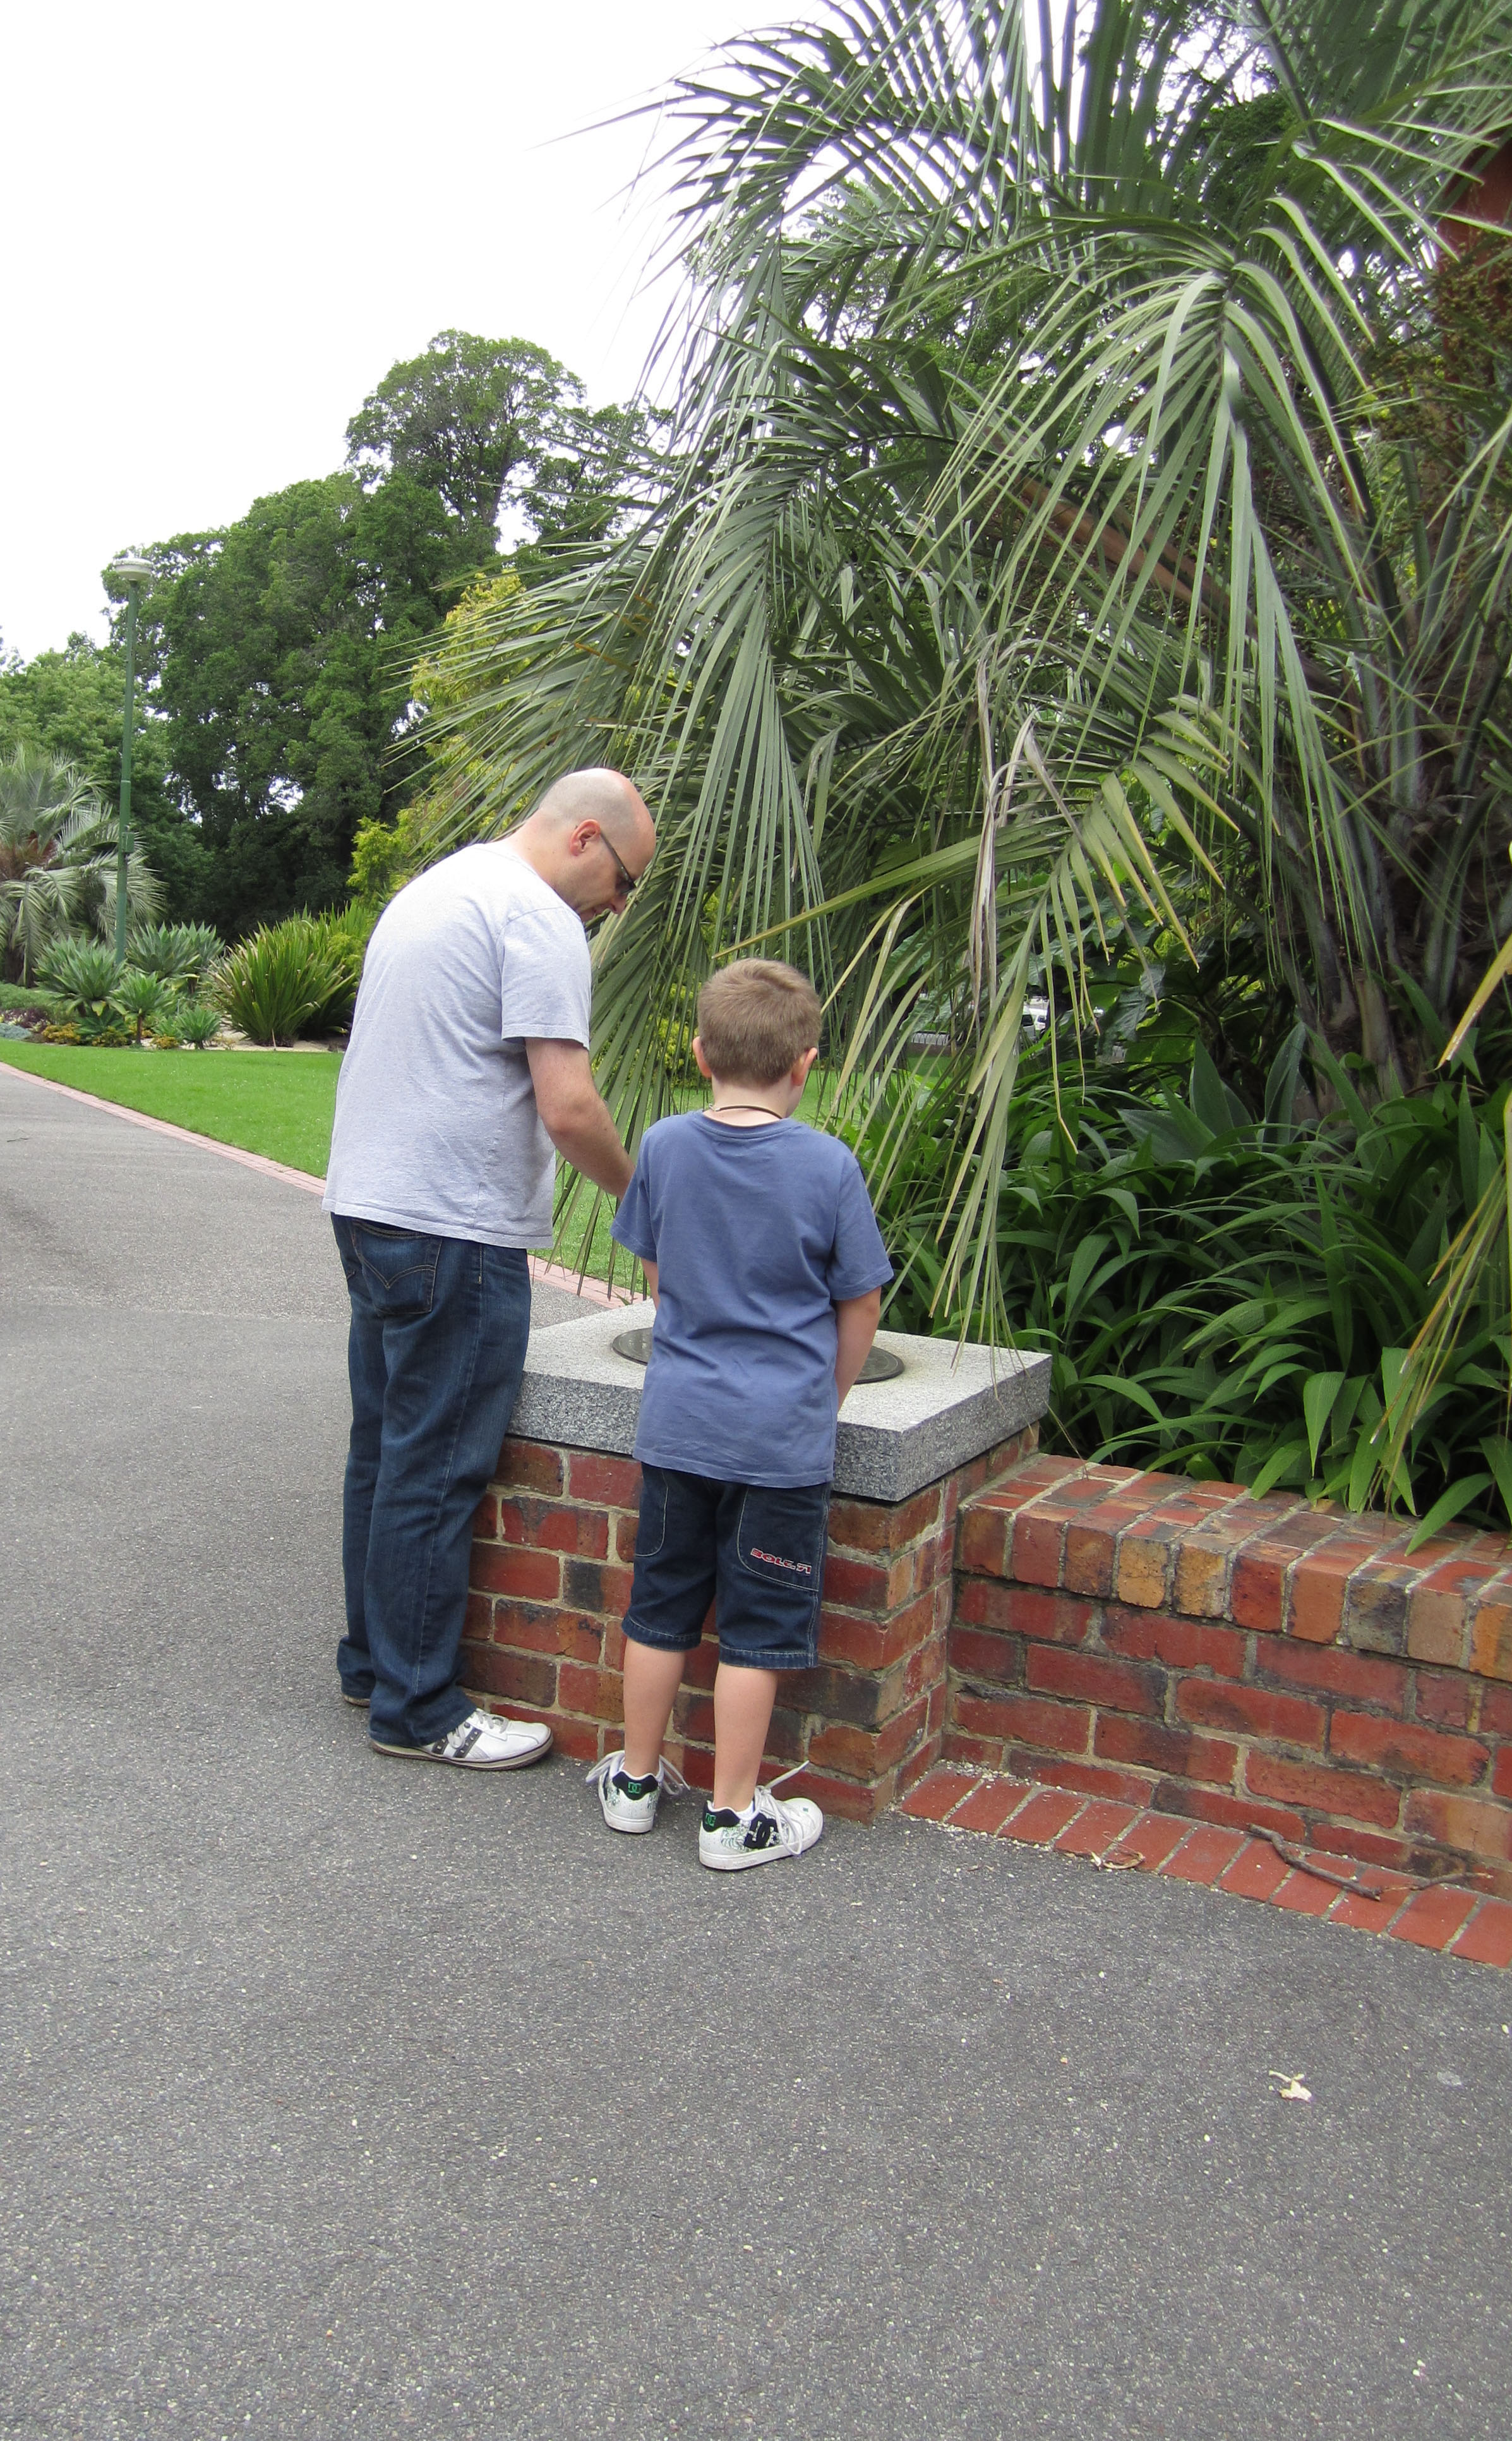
[766, 1266]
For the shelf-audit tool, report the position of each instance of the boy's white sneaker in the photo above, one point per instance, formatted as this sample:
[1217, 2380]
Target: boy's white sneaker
[484, 1742]
[631, 1804]
[770, 1828]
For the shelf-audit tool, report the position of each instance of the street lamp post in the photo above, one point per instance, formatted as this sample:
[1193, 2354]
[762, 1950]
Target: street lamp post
[132, 572]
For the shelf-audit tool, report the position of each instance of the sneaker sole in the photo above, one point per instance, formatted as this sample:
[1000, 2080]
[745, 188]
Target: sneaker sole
[359, 1701]
[464, 1762]
[758, 1857]
[630, 1829]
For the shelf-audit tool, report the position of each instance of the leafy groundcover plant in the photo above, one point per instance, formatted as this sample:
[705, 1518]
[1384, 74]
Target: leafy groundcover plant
[1233, 1295]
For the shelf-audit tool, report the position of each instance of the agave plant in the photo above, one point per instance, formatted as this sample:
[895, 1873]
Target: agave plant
[276, 984]
[1088, 513]
[176, 954]
[85, 975]
[140, 996]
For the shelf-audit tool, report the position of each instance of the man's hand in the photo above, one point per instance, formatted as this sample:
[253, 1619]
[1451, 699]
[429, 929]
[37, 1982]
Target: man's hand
[855, 1320]
[574, 1113]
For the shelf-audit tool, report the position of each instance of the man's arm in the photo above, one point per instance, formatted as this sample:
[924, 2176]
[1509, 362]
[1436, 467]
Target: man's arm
[574, 1115]
[857, 1320]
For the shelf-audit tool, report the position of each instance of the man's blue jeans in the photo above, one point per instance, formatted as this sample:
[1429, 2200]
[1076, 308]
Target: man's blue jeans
[435, 1354]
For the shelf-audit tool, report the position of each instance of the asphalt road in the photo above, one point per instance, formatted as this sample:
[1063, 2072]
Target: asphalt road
[342, 2096]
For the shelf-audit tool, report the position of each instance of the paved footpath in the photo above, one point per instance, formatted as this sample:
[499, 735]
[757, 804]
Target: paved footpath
[340, 2096]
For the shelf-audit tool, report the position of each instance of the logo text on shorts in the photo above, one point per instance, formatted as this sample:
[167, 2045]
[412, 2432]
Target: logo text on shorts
[775, 1560]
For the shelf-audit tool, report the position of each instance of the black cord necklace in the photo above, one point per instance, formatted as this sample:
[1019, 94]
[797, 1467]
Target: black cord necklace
[712, 1112]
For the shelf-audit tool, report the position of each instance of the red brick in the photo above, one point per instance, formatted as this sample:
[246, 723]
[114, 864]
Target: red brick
[939, 1792]
[625, 1523]
[1256, 1873]
[1182, 1753]
[1366, 1911]
[987, 1659]
[1062, 1727]
[864, 1753]
[1363, 1847]
[613, 1481]
[598, 1693]
[1252, 1711]
[1491, 1633]
[1244, 1814]
[849, 1798]
[990, 1804]
[1502, 1773]
[866, 1584]
[1180, 1643]
[485, 1519]
[1035, 1548]
[1315, 1597]
[578, 1740]
[1303, 1894]
[1042, 1817]
[1376, 1607]
[534, 1627]
[877, 1643]
[1151, 1838]
[1488, 1937]
[590, 1585]
[1257, 1586]
[1116, 1686]
[554, 1526]
[511, 1677]
[1433, 1919]
[1496, 1711]
[1468, 1822]
[531, 1576]
[982, 1539]
[1314, 1785]
[1333, 1670]
[1087, 1564]
[529, 1467]
[1092, 1778]
[1411, 1752]
[1020, 1610]
[1104, 1823]
[972, 1754]
[611, 1641]
[1036, 1475]
[1143, 1564]
[478, 1619]
[702, 1664]
[916, 1767]
[878, 1525]
[1443, 1698]
[1204, 1857]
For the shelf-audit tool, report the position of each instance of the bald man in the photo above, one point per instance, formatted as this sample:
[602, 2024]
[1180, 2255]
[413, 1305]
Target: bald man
[467, 1072]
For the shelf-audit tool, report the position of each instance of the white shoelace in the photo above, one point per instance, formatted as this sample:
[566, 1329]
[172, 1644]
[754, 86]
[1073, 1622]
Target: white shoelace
[788, 1830]
[671, 1781]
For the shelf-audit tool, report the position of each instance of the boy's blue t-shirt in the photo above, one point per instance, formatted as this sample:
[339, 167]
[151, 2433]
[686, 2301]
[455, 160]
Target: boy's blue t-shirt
[756, 1234]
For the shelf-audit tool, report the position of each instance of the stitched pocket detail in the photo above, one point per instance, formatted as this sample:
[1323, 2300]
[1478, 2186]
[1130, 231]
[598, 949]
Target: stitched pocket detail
[781, 1534]
[650, 1525]
[399, 1271]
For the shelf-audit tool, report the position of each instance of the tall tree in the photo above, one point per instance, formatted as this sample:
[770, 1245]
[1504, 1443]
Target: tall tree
[469, 419]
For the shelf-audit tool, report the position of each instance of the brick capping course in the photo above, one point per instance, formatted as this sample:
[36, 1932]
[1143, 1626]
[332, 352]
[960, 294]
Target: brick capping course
[1182, 1648]
[1461, 1923]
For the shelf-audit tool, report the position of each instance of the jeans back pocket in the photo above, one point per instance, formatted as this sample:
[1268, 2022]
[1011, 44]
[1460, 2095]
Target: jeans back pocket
[397, 1270]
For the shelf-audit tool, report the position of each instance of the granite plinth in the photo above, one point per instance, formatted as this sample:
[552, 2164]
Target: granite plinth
[946, 1407]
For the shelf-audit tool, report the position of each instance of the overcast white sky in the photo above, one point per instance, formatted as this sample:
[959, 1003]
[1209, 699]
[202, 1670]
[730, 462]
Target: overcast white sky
[221, 226]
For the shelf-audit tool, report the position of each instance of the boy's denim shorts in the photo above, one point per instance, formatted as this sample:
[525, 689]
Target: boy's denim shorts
[755, 1552]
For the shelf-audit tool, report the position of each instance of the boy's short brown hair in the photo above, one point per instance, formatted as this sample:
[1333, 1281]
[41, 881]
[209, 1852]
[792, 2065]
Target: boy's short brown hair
[756, 1018]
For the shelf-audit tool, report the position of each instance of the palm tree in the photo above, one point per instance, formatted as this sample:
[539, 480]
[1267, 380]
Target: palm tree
[1088, 516]
[58, 863]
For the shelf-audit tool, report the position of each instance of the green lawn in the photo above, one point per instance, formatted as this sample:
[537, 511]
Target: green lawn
[279, 1103]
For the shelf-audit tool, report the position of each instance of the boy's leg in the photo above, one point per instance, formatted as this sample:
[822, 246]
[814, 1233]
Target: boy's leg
[743, 1714]
[652, 1678]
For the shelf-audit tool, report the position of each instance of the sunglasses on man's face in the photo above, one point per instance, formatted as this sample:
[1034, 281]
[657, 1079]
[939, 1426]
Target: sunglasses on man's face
[627, 880]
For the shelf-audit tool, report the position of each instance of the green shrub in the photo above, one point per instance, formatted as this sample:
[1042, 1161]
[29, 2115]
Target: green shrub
[141, 998]
[281, 983]
[176, 954]
[83, 973]
[197, 1024]
[1234, 1297]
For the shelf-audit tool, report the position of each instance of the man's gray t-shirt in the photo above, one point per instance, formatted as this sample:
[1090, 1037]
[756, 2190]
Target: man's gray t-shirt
[436, 1128]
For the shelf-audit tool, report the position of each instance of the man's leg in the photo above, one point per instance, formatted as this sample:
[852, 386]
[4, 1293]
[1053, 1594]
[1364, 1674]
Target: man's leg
[455, 1320]
[367, 1373]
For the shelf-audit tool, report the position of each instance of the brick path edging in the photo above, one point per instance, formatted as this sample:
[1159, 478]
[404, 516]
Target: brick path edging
[1455, 1922]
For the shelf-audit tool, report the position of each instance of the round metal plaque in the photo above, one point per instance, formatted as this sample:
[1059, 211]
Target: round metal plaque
[881, 1366]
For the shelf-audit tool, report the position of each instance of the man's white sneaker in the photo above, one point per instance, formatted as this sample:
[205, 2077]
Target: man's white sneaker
[770, 1828]
[631, 1804]
[484, 1742]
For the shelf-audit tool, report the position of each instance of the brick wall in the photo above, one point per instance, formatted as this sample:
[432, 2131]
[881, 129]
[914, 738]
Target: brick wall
[553, 1543]
[1245, 1662]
